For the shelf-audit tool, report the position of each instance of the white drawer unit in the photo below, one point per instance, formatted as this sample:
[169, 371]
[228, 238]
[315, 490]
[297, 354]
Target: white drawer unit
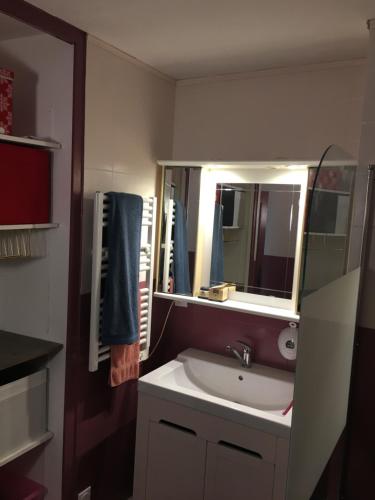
[185, 454]
[164, 456]
[23, 415]
[238, 473]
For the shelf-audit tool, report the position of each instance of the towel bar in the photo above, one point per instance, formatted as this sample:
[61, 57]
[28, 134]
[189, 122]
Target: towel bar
[99, 352]
[168, 245]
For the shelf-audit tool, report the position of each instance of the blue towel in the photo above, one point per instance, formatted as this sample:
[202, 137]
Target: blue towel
[180, 252]
[217, 256]
[121, 294]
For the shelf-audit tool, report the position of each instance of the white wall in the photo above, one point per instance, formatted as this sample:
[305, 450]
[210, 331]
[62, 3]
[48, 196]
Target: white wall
[276, 114]
[129, 125]
[34, 294]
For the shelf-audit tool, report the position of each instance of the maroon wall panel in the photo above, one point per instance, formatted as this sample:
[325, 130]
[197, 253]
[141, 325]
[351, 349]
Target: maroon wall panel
[360, 465]
[103, 423]
[212, 329]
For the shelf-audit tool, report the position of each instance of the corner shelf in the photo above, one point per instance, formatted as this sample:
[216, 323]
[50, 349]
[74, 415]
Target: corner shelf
[17, 227]
[27, 141]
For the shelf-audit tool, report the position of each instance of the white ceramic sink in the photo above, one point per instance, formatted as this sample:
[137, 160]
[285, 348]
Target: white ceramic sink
[218, 384]
[260, 387]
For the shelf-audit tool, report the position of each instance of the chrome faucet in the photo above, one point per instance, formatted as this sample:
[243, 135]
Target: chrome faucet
[246, 357]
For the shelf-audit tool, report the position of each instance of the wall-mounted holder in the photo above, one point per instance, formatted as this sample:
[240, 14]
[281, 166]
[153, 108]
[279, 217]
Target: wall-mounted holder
[99, 352]
[23, 241]
[288, 340]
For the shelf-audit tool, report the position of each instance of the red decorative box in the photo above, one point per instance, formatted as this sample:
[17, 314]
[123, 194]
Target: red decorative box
[24, 185]
[6, 101]
[15, 487]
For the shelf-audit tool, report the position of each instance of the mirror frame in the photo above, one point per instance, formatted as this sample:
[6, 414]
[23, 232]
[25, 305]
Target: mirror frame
[209, 181]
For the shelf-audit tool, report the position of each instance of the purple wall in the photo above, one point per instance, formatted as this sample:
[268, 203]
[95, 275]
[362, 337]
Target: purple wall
[103, 425]
[212, 329]
[360, 463]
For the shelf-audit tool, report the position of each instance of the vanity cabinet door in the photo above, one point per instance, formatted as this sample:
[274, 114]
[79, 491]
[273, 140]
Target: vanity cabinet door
[233, 473]
[176, 463]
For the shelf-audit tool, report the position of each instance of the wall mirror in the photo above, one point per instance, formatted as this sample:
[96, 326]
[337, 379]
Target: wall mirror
[254, 237]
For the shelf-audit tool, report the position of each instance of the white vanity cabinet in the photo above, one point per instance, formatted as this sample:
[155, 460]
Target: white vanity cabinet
[236, 473]
[186, 454]
[175, 463]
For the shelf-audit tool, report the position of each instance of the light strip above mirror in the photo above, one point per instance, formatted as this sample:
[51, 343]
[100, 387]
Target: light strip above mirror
[281, 165]
[273, 164]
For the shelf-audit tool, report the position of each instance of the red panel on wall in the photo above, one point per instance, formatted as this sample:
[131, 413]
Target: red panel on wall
[24, 185]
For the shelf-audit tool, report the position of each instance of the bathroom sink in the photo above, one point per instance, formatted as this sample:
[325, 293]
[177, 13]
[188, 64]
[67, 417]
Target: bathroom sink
[260, 387]
[257, 396]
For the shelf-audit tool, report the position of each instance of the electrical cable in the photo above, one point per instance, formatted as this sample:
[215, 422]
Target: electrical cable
[162, 330]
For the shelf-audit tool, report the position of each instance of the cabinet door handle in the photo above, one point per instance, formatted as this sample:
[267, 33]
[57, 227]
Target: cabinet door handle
[177, 426]
[232, 446]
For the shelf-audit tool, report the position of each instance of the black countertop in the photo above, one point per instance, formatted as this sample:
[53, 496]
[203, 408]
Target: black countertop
[21, 355]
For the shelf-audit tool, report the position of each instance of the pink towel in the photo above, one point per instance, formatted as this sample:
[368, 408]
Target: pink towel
[124, 363]
[125, 357]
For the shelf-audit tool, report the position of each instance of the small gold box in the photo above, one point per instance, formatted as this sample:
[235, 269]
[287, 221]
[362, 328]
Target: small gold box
[204, 294]
[220, 293]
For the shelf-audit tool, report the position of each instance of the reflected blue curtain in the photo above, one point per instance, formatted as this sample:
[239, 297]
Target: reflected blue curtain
[181, 252]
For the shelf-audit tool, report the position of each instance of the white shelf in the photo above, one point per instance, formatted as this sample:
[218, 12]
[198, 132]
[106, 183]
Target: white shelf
[330, 191]
[26, 141]
[25, 448]
[17, 227]
[234, 305]
[339, 235]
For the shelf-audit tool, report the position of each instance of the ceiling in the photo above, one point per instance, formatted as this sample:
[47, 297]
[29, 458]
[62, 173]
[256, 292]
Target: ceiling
[193, 38]
[11, 28]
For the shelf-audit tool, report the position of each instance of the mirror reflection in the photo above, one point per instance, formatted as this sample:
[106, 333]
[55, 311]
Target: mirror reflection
[254, 237]
[179, 224]
[328, 249]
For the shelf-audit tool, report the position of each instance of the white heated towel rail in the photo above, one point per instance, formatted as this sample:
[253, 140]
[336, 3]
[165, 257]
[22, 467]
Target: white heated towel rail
[168, 245]
[99, 352]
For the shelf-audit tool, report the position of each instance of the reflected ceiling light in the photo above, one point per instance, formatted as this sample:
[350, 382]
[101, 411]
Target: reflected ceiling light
[297, 166]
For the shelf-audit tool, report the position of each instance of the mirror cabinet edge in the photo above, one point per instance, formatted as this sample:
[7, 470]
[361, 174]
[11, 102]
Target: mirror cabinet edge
[159, 185]
[200, 244]
[299, 244]
[160, 182]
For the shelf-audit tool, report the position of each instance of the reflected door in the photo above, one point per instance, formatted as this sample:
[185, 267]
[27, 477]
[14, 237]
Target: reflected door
[273, 240]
